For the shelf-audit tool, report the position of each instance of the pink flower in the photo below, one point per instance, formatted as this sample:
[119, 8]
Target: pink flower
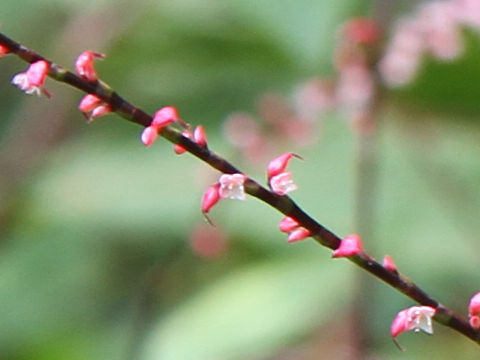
[349, 246]
[4, 50]
[474, 311]
[33, 79]
[288, 224]
[210, 198]
[298, 234]
[282, 183]
[416, 318]
[92, 107]
[232, 186]
[165, 116]
[84, 65]
[279, 180]
[279, 164]
[162, 118]
[199, 136]
[389, 264]
[149, 135]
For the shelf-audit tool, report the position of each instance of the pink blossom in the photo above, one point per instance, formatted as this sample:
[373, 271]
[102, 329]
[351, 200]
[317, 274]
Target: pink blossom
[474, 311]
[349, 246]
[389, 264]
[288, 224]
[416, 318]
[282, 183]
[279, 164]
[33, 79]
[85, 67]
[149, 135]
[165, 116]
[232, 186]
[199, 136]
[298, 234]
[92, 107]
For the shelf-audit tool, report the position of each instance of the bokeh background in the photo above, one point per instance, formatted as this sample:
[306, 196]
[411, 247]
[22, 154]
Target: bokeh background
[104, 253]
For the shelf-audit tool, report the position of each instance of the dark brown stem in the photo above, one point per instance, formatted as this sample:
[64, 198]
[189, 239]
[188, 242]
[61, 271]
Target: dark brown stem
[283, 204]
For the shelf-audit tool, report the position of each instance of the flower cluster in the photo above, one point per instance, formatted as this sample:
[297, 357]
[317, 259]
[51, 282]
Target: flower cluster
[435, 29]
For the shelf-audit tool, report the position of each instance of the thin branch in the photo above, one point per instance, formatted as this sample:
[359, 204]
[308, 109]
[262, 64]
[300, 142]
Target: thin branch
[283, 204]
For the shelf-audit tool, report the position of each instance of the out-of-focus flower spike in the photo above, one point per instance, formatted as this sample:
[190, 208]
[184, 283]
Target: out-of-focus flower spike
[362, 31]
[474, 311]
[3, 50]
[288, 224]
[298, 234]
[349, 246]
[231, 186]
[84, 65]
[149, 135]
[389, 264]
[199, 136]
[279, 164]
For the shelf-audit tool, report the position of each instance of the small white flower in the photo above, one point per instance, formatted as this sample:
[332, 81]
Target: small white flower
[231, 186]
[282, 183]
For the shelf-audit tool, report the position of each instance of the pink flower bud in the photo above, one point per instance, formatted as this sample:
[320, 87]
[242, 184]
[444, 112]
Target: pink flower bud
[231, 186]
[399, 324]
[389, 264]
[474, 311]
[101, 111]
[210, 198]
[282, 183]
[4, 50]
[288, 224]
[199, 136]
[474, 306]
[84, 65]
[298, 234]
[33, 79]
[89, 102]
[279, 164]
[149, 135]
[179, 149]
[165, 116]
[349, 246]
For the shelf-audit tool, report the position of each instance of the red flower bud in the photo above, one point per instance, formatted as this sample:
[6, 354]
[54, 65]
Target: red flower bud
[199, 136]
[349, 246]
[298, 234]
[288, 224]
[279, 164]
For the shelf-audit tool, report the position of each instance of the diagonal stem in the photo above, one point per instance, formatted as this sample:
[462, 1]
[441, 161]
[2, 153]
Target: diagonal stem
[283, 204]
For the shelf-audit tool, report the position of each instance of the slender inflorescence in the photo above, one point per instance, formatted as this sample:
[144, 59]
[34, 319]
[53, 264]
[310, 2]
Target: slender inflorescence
[101, 99]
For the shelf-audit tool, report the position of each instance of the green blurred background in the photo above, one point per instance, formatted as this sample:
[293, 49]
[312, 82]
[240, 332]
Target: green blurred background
[96, 254]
